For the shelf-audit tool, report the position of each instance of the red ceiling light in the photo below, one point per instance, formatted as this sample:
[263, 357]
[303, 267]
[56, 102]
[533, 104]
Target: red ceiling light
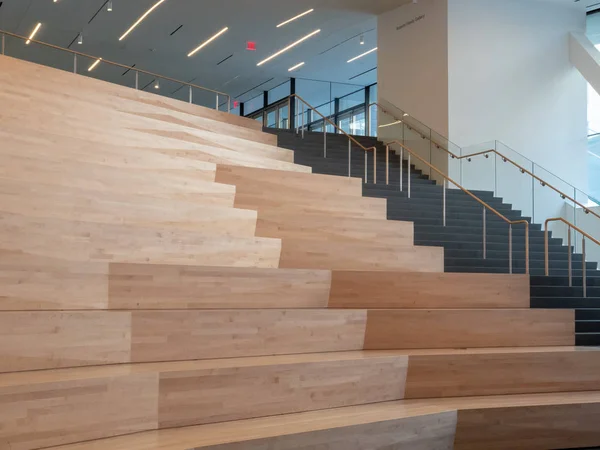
[251, 46]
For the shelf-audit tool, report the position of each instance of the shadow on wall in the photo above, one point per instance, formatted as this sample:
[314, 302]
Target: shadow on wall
[594, 167]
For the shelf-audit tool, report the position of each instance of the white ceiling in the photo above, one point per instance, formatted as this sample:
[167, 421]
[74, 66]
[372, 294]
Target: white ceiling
[152, 47]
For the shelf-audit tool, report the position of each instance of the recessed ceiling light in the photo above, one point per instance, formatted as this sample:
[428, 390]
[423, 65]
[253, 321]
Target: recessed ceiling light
[295, 67]
[362, 40]
[364, 54]
[283, 50]
[208, 41]
[157, 84]
[137, 22]
[294, 18]
[80, 39]
[31, 36]
[109, 6]
[93, 66]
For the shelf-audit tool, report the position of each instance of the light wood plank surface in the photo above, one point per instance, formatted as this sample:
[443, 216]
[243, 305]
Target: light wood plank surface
[145, 286]
[455, 328]
[370, 289]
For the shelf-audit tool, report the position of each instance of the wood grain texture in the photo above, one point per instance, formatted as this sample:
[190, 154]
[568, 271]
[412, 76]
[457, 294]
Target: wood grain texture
[44, 340]
[180, 335]
[388, 329]
[335, 255]
[323, 227]
[145, 286]
[503, 371]
[370, 289]
[216, 395]
[532, 428]
[47, 414]
[384, 426]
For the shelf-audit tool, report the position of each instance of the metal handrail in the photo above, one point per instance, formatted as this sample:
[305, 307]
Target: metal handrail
[570, 268]
[504, 158]
[477, 199]
[123, 66]
[350, 138]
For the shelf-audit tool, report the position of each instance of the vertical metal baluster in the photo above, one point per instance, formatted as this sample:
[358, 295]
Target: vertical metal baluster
[444, 204]
[349, 157]
[570, 258]
[3, 42]
[408, 175]
[137, 80]
[401, 168]
[375, 165]
[302, 120]
[229, 104]
[191, 95]
[387, 164]
[484, 233]
[584, 277]
[366, 163]
[547, 260]
[510, 258]
[324, 139]
[74, 62]
[217, 103]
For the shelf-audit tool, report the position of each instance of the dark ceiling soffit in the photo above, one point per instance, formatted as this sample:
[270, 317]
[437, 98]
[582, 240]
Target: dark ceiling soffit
[349, 39]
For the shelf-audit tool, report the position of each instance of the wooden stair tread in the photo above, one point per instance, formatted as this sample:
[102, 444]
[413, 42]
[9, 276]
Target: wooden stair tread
[66, 374]
[244, 430]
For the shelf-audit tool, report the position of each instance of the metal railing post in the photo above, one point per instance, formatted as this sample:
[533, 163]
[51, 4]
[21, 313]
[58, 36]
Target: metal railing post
[191, 95]
[3, 43]
[366, 163]
[484, 233]
[375, 165]
[387, 164]
[527, 248]
[229, 104]
[217, 102]
[74, 62]
[401, 168]
[302, 120]
[584, 276]
[444, 204]
[408, 175]
[349, 156]
[510, 258]
[324, 140]
[570, 259]
[547, 259]
[137, 80]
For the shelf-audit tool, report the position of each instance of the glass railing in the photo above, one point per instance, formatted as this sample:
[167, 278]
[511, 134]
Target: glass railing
[96, 67]
[494, 167]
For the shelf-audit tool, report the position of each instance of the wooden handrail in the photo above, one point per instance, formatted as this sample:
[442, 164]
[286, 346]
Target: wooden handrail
[564, 196]
[474, 197]
[74, 52]
[569, 268]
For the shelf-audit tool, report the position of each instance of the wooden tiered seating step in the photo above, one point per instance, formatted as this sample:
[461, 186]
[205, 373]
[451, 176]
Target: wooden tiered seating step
[464, 423]
[113, 400]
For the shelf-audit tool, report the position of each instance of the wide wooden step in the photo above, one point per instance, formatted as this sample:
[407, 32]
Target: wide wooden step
[113, 400]
[43, 340]
[531, 421]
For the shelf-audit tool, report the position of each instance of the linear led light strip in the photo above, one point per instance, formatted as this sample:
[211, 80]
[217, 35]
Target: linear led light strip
[291, 69]
[364, 54]
[137, 22]
[295, 17]
[94, 64]
[208, 41]
[283, 50]
[31, 36]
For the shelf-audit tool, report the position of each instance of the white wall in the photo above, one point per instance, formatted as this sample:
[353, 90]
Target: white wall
[413, 69]
[510, 79]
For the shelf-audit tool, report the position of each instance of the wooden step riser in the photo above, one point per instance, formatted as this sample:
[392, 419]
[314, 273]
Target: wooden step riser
[35, 282]
[44, 340]
[104, 402]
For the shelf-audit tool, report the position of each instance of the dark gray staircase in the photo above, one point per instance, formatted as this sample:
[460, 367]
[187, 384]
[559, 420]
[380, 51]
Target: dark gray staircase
[462, 237]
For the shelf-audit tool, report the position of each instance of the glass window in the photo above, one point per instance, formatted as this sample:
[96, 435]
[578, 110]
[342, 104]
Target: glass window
[254, 104]
[283, 116]
[279, 92]
[351, 100]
